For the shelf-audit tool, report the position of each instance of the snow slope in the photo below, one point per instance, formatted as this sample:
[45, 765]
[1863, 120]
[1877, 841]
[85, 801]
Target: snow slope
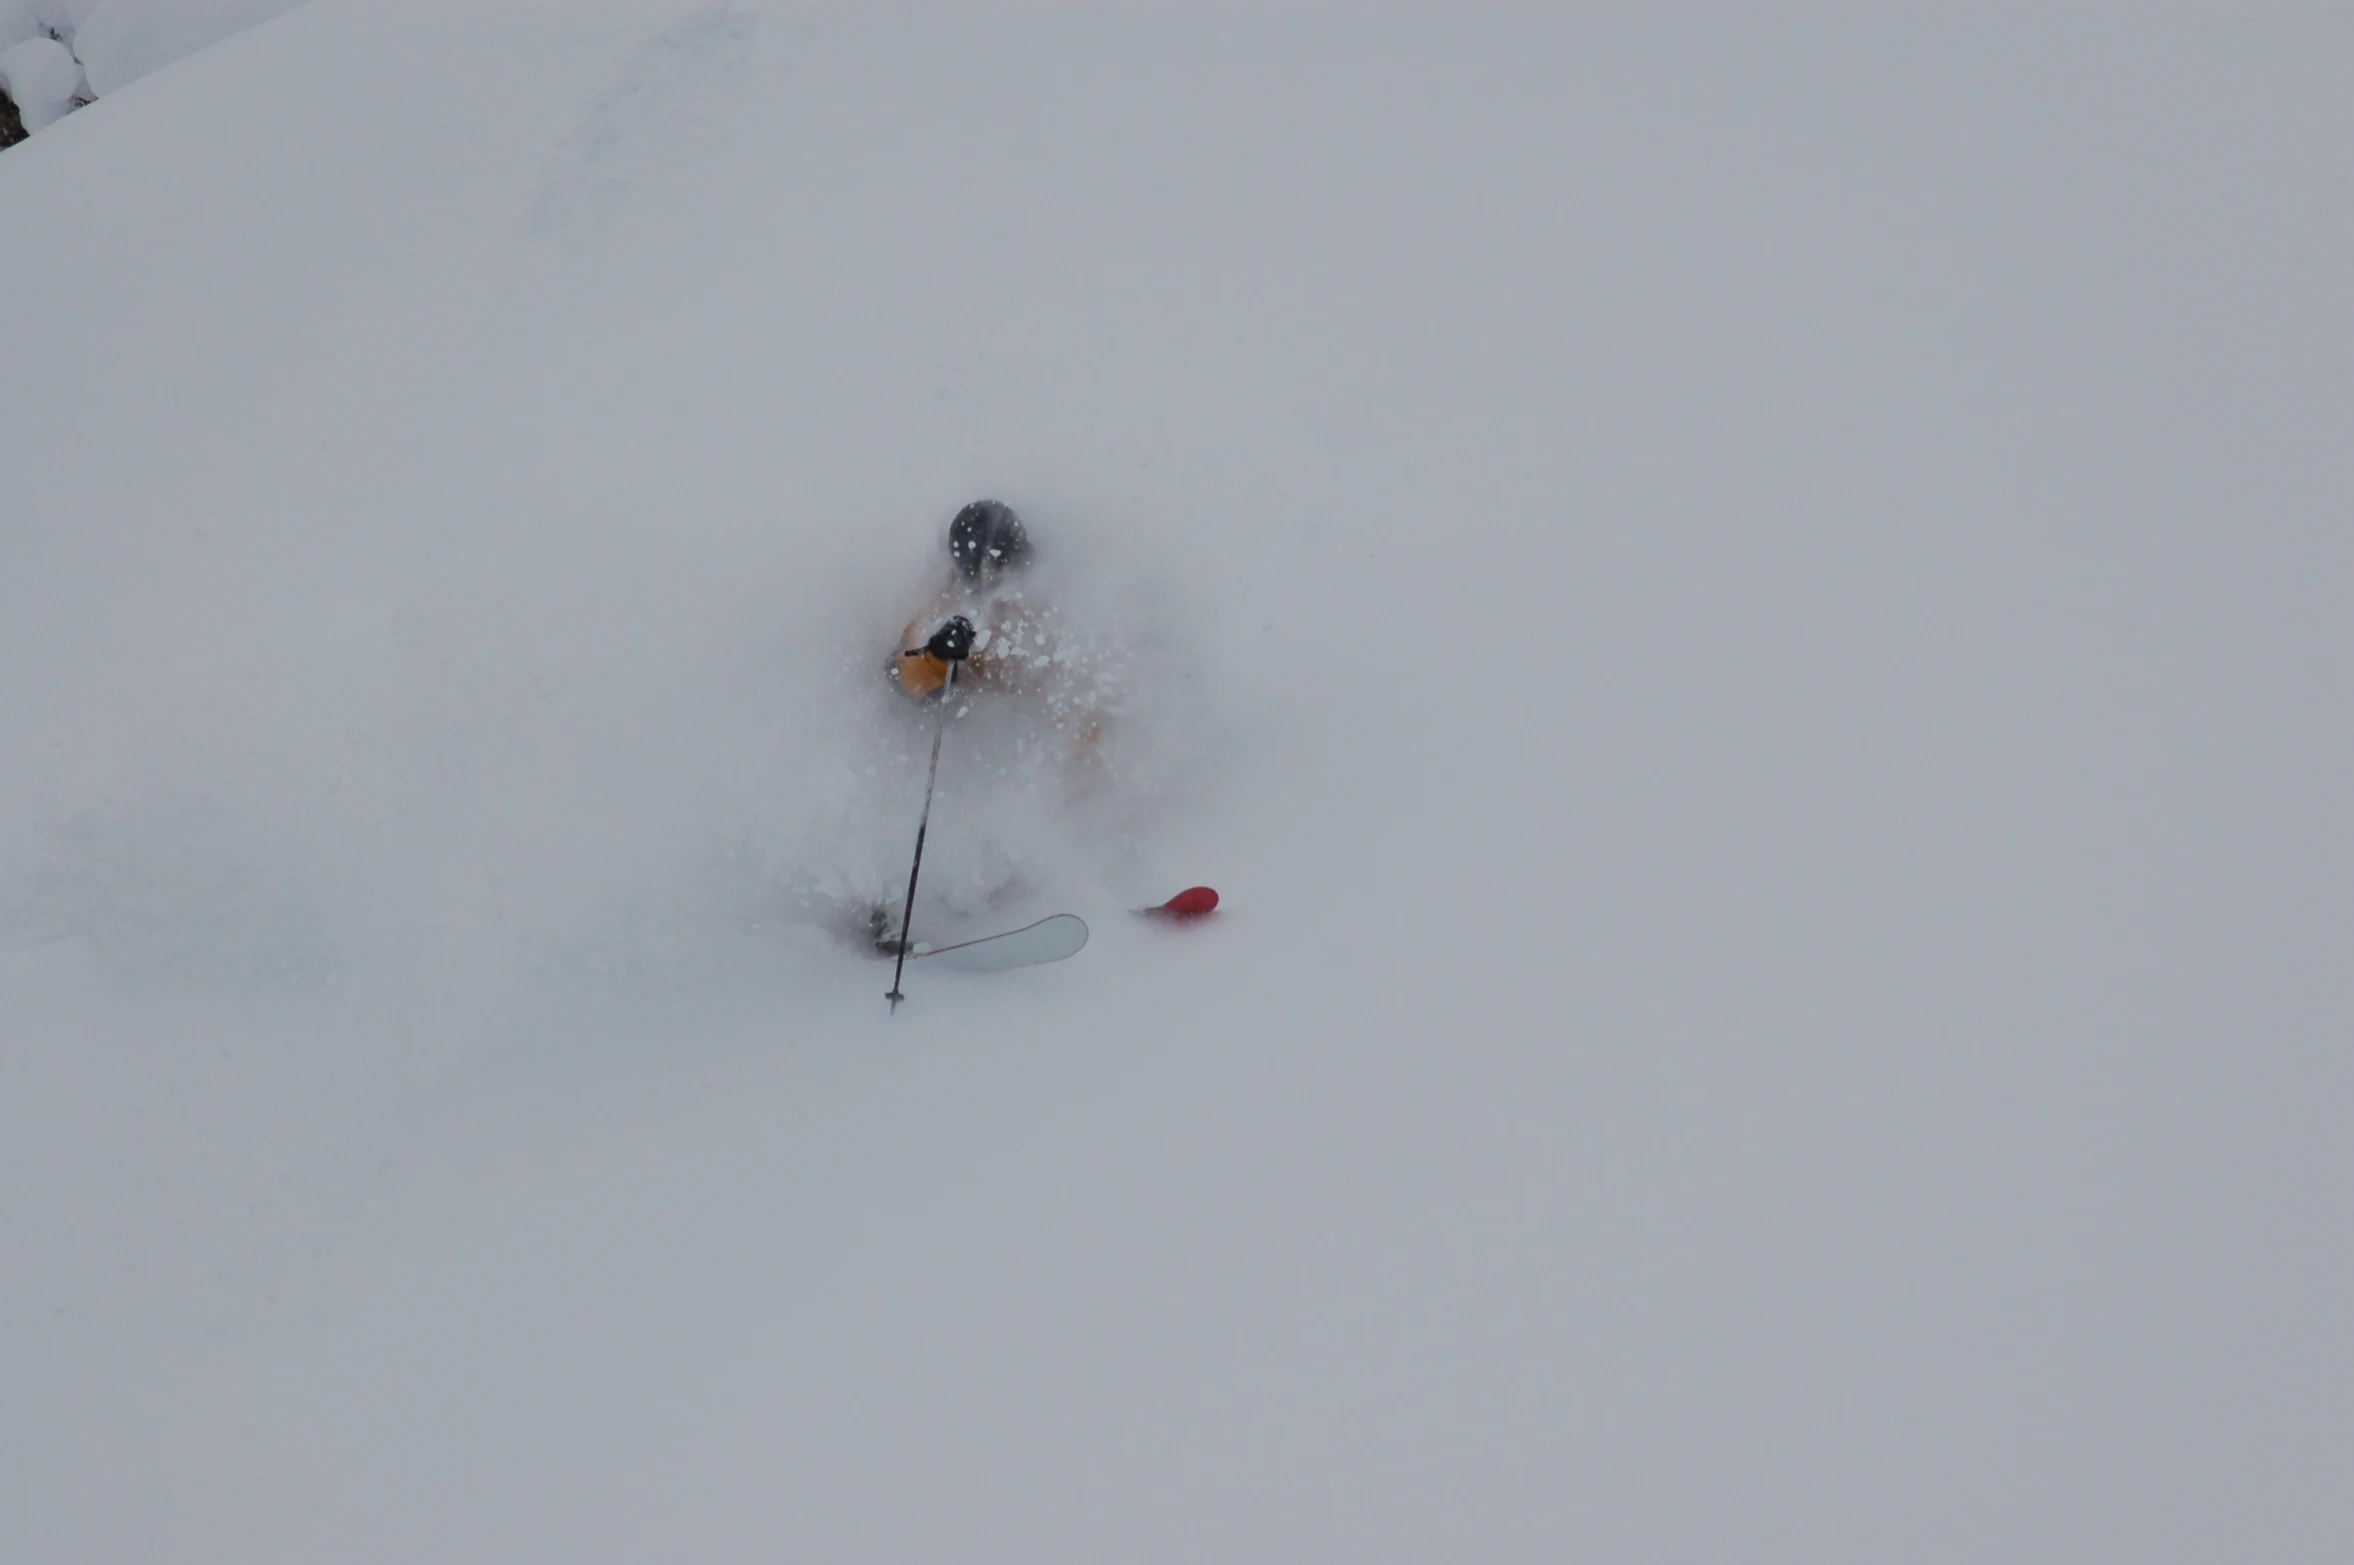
[1749, 612]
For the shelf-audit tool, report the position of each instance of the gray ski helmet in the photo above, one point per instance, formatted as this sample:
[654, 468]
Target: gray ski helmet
[986, 533]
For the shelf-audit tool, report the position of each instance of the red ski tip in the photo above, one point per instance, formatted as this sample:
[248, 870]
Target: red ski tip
[1192, 902]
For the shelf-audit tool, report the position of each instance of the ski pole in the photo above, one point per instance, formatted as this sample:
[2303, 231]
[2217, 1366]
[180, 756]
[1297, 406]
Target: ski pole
[907, 914]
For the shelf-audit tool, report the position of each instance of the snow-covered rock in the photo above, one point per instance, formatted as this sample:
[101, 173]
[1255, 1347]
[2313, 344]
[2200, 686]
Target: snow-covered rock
[88, 48]
[120, 41]
[43, 78]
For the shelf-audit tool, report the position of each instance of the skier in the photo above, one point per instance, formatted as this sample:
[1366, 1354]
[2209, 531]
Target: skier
[982, 617]
[990, 617]
[992, 626]
[1049, 688]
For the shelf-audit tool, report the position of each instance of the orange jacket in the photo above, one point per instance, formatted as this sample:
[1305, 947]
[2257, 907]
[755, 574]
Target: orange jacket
[1012, 646]
[1018, 647]
[915, 671]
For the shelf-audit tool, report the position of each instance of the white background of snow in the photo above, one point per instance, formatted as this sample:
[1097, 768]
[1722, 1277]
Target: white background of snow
[1769, 595]
[63, 17]
[22, 19]
[19, 20]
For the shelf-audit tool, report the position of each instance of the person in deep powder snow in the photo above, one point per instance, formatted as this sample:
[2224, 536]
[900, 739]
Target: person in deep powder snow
[978, 615]
[988, 617]
[990, 622]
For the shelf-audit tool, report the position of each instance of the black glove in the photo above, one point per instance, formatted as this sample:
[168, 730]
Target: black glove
[952, 642]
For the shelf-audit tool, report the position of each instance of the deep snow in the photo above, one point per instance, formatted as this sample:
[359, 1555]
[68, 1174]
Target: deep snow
[1749, 612]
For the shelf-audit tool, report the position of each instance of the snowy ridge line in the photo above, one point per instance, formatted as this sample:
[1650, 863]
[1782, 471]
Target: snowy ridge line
[57, 55]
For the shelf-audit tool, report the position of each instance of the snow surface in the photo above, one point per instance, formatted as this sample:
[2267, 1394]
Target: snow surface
[123, 40]
[1750, 613]
[19, 20]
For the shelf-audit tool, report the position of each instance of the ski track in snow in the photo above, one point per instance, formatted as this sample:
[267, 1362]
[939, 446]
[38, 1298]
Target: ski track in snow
[666, 114]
